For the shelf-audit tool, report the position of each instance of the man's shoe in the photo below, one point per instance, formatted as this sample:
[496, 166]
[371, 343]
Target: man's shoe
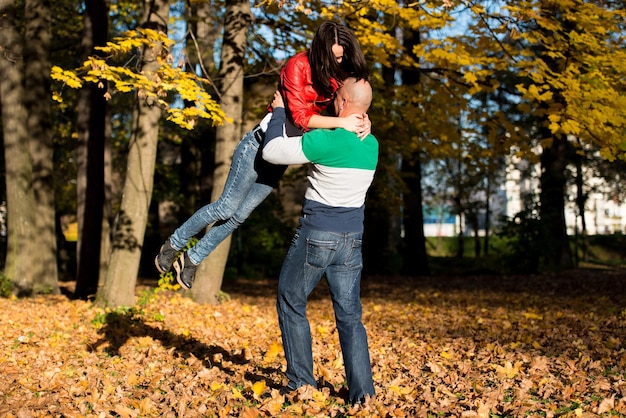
[166, 256]
[185, 271]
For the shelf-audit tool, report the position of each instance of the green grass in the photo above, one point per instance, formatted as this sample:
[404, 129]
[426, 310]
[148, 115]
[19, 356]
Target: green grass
[603, 251]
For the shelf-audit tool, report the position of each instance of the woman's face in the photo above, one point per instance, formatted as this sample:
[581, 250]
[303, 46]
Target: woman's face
[338, 52]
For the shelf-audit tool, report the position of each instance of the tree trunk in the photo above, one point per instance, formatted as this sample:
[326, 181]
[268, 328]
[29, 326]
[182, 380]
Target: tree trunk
[382, 239]
[581, 200]
[107, 210]
[118, 288]
[238, 18]
[554, 159]
[39, 126]
[460, 248]
[22, 254]
[476, 231]
[487, 214]
[556, 252]
[415, 255]
[197, 154]
[91, 153]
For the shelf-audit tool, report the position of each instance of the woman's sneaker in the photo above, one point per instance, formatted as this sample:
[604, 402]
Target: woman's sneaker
[185, 271]
[165, 258]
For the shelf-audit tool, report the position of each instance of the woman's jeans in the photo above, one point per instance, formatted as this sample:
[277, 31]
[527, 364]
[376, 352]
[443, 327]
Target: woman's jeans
[311, 254]
[250, 180]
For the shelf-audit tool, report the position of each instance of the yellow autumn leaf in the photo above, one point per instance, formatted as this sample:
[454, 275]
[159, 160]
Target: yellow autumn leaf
[545, 96]
[470, 77]
[273, 352]
[338, 363]
[109, 389]
[258, 388]
[532, 315]
[216, 386]
[146, 407]
[554, 127]
[322, 330]
[132, 379]
[508, 370]
[295, 409]
[571, 127]
[533, 91]
[446, 355]
[68, 77]
[324, 373]
[400, 390]
[319, 396]
[237, 393]
[554, 117]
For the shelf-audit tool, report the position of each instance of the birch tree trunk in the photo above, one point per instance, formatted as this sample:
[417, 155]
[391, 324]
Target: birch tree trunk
[22, 254]
[238, 18]
[118, 288]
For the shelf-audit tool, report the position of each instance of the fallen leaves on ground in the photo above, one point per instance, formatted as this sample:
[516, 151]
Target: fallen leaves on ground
[536, 346]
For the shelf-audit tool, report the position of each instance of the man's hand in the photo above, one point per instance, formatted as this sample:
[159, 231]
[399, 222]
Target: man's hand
[278, 100]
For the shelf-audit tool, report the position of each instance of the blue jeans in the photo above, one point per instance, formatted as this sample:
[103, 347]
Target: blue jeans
[250, 180]
[311, 254]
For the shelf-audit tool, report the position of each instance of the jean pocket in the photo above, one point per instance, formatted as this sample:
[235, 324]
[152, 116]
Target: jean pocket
[355, 257]
[319, 254]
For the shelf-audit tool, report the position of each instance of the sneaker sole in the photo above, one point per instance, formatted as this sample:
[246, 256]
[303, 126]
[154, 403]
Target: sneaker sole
[179, 266]
[158, 266]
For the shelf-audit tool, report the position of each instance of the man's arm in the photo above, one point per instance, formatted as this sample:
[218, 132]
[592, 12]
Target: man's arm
[278, 147]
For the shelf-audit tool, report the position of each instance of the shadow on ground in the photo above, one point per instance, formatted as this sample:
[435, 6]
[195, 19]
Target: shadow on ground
[578, 287]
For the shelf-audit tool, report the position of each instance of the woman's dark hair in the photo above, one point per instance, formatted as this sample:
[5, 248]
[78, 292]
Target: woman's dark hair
[324, 66]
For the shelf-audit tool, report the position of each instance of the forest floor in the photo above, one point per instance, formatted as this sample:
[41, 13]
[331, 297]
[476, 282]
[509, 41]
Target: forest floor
[478, 346]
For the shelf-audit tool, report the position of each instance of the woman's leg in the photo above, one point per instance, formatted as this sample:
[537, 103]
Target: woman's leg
[241, 178]
[222, 229]
[268, 176]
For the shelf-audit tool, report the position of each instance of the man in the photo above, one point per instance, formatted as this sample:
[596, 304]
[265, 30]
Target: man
[329, 238]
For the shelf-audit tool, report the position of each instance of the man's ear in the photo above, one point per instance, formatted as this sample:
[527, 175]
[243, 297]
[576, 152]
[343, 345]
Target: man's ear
[343, 104]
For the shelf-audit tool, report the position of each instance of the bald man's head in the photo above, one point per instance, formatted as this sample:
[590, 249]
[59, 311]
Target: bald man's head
[354, 96]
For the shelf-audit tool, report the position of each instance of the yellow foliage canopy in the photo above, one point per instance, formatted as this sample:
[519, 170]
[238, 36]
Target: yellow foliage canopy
[180, 94]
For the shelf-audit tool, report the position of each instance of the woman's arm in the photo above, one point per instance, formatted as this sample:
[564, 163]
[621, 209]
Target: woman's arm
[359, 124]
[297, 90]
[279, 148]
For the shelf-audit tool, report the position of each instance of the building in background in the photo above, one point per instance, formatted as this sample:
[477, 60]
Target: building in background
[520, 187]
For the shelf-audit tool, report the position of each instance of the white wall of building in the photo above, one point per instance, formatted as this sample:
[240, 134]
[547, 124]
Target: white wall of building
[602, 215]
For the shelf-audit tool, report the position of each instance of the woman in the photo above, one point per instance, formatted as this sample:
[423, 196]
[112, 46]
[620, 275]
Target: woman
[308, 83]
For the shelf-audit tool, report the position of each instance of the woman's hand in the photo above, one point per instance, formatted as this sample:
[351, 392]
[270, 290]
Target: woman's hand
[278, 100]
[368, 127]
[359, 124]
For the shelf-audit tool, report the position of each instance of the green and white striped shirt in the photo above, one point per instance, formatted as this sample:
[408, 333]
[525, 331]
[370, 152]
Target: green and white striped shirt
[342, 171]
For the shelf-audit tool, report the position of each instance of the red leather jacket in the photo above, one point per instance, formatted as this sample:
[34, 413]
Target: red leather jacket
[296, 87]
